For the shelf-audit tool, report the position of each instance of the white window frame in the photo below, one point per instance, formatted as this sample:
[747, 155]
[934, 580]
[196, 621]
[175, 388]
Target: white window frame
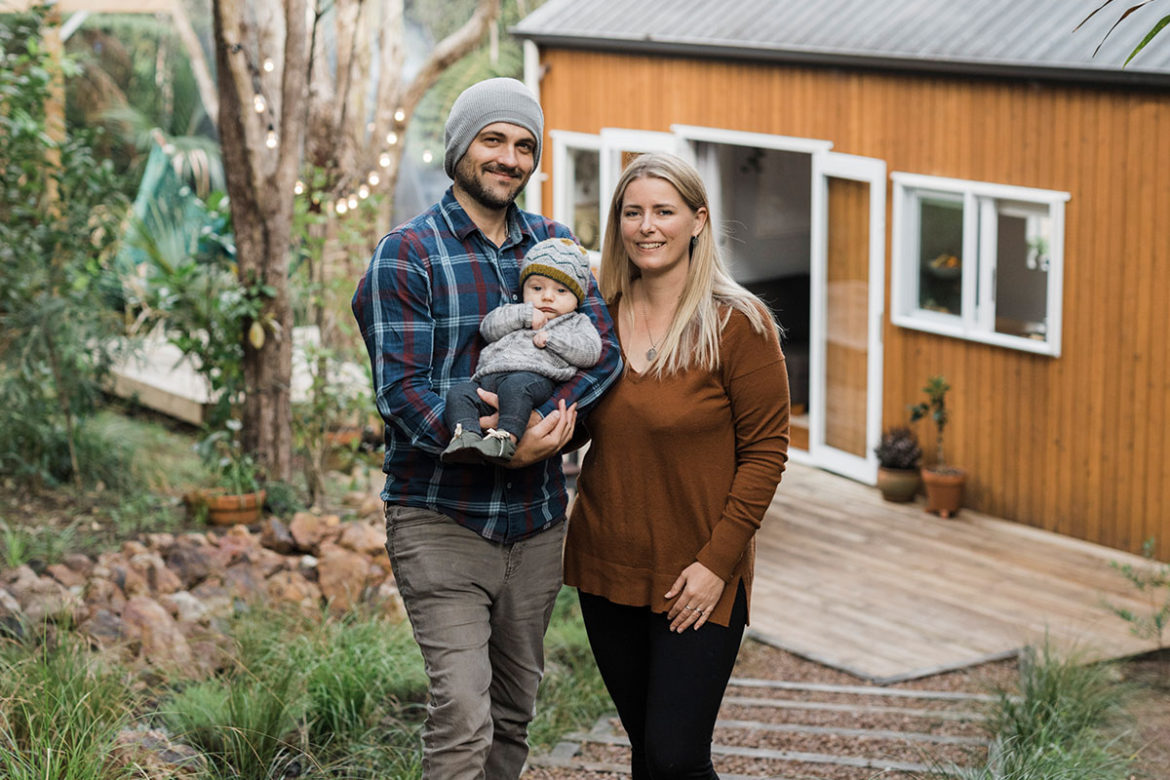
[562, 142]
[976, 321]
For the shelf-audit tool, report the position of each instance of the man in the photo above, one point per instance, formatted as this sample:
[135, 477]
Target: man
[476, 549]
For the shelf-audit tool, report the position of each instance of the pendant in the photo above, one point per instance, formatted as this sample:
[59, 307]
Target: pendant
[651, 353]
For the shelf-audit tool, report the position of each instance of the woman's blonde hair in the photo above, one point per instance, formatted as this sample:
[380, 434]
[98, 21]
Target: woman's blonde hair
[710, 294]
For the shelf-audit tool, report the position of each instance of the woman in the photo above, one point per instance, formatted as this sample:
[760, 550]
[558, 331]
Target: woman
[687, 450]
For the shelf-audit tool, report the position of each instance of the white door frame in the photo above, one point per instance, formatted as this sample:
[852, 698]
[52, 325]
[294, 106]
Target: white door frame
[825, 165]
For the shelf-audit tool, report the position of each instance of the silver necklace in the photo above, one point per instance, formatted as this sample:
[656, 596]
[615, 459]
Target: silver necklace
[653, 351]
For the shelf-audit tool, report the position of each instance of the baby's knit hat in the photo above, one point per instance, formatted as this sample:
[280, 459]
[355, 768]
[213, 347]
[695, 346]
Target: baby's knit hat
[482, 104]
[560, 259]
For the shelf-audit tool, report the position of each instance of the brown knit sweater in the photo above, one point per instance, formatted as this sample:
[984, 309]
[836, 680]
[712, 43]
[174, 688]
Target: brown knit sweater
[681, 469]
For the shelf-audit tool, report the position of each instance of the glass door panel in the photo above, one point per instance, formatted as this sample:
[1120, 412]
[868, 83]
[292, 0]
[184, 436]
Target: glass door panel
[846, 316]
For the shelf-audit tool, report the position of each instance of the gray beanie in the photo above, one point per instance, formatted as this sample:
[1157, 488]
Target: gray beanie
[493, 100]
[562, 260]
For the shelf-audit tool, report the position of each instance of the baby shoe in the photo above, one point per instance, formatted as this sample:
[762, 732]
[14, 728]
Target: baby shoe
[496, 446]
[462, 448]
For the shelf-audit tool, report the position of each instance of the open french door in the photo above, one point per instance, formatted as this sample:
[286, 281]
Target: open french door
[847, 284]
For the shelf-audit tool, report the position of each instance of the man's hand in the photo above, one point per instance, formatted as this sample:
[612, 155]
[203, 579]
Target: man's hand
[543, 438]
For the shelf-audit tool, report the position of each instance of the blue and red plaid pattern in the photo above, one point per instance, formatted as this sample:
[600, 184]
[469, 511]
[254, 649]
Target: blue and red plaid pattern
[419, 306]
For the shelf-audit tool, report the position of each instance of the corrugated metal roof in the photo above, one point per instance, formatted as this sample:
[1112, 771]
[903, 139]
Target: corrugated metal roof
[1021, 37]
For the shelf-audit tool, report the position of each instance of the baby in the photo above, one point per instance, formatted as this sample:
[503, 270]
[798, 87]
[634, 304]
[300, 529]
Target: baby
[532, 346]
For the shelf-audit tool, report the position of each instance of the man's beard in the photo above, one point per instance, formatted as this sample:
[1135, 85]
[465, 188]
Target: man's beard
[473, 185]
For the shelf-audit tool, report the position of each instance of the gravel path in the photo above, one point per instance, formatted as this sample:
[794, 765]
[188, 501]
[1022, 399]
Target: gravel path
[787, 718]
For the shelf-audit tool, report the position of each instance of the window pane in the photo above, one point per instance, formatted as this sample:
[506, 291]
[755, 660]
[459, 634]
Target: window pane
[1021, 278]
[940, 245]
[586, 197]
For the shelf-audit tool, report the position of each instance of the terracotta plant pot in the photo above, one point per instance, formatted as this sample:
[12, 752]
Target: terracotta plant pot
[229, 508]
[898, 485]
[944, 491]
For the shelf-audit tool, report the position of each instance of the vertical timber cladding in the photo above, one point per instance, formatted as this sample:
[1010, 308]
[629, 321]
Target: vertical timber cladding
[1078, 444]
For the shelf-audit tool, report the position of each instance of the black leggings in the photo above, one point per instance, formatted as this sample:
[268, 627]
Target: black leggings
[667, 687]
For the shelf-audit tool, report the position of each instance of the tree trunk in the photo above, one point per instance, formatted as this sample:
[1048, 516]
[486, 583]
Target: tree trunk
[262, 152]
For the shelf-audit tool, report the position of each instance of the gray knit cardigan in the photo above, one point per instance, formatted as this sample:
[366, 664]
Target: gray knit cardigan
[573, 343]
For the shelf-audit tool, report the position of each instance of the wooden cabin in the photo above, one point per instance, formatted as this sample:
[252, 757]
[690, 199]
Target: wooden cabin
[956, 188]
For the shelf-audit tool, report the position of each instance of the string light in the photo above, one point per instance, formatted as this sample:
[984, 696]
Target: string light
[270, 140]
[392, 138]
[342, 206]
[384, 160]
[427, 157]
[400, 116]
[299, 187]
[259, 103]
[374, 178]
[352, 202]
[269, 65]
[363, 191]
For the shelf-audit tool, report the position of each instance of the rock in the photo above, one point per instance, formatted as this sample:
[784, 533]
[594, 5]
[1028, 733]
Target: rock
[157, 574]
[309, 530]
[160, 542]
[133, 547]
[44, 599]
[363, 538]
[215, 598]
[82, 564]
[243, 580]
[292, 588]
[341, 575]
[160, 642]
[184, 607]
[274, 535]
[116, 568]
[151, 753]
[190, 560]
[104, 594]
[65, 575]
[103, 627]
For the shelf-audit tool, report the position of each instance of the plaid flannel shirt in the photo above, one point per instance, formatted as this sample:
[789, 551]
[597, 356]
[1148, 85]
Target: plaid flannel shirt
[419, 306]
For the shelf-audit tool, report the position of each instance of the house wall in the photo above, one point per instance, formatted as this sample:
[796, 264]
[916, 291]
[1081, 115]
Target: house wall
[1078, 444]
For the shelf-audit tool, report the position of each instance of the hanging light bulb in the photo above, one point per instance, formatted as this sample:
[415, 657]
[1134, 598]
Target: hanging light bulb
[364, 191]
[392, 138]
[374, 179]
[270, 140]
[352, 202]
[427, 157]
[269, 65]
[400, 116]
[299, 187]
[259, 103]
[342, 206]
[384, 160]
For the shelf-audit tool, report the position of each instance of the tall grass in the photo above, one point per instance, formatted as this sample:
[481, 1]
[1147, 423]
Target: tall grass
[1060, 726]
[59, 714]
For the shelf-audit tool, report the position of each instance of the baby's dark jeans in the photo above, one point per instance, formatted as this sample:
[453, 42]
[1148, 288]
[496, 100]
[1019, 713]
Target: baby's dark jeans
[520, 392]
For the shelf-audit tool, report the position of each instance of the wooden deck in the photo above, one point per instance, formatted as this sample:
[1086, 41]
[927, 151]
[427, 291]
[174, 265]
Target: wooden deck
[888, 592]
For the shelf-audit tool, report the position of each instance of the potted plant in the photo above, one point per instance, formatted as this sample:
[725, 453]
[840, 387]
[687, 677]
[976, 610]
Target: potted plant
[944, 484]
[237, 496]
[898, 454]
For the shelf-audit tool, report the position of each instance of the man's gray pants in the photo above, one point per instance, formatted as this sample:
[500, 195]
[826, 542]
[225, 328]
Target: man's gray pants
[479, 611]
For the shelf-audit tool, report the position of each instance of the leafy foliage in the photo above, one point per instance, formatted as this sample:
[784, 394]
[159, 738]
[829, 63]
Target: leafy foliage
[935, 406]
[1153, 31]
[898, 449]
[59, 211]
[1153, 582]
